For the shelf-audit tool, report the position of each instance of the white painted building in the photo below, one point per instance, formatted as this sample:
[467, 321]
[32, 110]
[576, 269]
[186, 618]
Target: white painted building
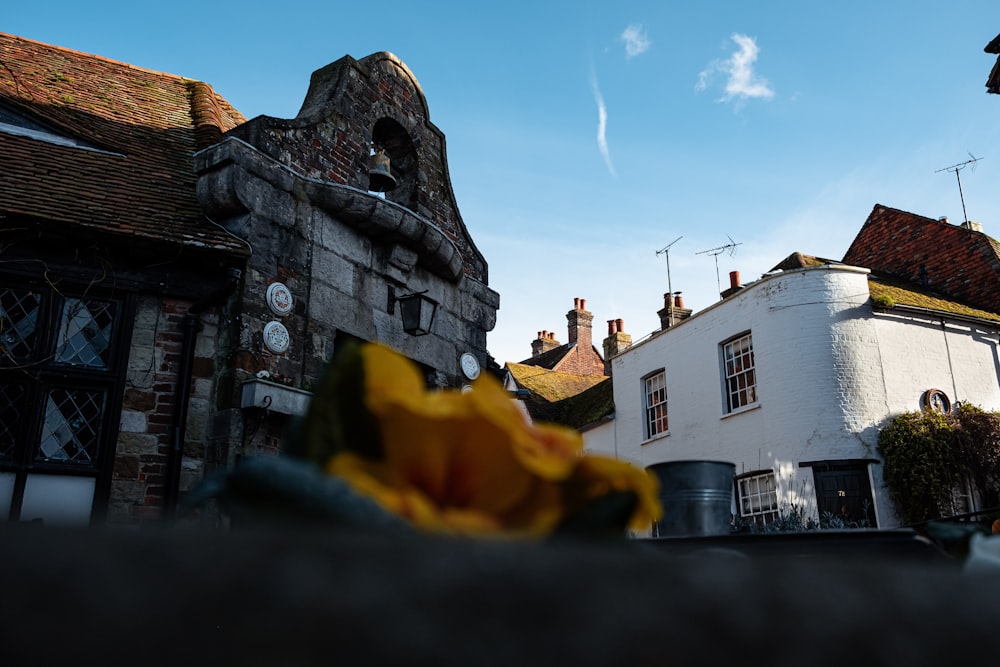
[790, 378]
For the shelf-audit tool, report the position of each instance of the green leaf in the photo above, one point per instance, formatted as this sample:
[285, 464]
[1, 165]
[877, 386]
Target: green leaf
[337, 418]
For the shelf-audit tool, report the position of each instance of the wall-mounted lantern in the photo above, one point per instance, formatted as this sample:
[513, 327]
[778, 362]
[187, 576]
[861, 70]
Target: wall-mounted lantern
[416, 309]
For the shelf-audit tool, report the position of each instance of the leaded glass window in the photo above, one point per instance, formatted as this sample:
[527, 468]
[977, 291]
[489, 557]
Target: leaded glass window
[61, 366]
[72, 426]
[84, 336]
[18, 320]
[11, 414]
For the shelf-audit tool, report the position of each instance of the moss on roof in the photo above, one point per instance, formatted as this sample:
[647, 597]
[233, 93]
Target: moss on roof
[899, 292]
[551, 385]
[564, 398]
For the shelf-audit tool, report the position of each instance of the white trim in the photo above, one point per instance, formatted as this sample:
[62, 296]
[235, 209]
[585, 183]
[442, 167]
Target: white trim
[57, 139]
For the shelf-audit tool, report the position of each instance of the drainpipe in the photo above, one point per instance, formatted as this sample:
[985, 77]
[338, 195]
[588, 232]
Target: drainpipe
[190, 327]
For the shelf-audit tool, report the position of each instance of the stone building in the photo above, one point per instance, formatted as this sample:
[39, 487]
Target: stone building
[158, 252]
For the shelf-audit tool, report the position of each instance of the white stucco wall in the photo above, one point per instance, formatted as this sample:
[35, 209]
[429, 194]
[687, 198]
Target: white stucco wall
[829, 373]
[600, 439]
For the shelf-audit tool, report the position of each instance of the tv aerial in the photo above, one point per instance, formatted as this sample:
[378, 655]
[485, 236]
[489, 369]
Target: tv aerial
[665, 250]
[715, 252]
[957, 168]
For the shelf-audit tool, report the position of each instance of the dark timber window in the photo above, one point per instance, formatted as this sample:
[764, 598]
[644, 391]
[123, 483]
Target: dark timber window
[62, 361]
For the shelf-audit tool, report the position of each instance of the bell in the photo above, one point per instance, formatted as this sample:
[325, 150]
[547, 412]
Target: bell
[380, 179]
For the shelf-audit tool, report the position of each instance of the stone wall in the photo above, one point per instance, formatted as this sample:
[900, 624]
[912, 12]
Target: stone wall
[295, 190]
[142, 458]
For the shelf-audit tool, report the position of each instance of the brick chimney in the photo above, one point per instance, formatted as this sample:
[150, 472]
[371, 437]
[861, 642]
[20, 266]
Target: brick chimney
[580, 324]
[673, 310]
[617, 341]
[546, 341]
[734, 284]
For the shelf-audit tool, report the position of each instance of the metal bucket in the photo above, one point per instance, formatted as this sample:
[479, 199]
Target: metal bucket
[697, 497]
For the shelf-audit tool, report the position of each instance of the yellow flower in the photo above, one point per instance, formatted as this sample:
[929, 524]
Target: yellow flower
[471, 463]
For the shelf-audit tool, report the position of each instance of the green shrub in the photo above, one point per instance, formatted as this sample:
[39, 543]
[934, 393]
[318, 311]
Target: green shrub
[929, 455]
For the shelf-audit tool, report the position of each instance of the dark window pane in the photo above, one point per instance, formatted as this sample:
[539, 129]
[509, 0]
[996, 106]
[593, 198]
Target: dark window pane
[11, 413]
[18, 316]
[84, 336]
[71, 430]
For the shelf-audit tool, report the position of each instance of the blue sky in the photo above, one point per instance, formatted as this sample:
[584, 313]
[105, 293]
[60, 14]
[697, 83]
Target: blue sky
[583, 137]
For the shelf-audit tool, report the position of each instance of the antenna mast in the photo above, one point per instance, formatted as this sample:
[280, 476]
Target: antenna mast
[957, 168]
[665, 250]
[731, 247]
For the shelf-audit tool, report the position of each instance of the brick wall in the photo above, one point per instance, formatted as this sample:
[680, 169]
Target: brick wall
[139, 479]
[350, 104]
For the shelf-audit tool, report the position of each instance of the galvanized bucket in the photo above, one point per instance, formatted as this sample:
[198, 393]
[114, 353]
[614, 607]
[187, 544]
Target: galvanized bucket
[697, 497]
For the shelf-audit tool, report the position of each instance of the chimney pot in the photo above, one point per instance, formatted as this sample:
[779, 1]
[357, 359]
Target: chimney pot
[620, 325]
[734, 279]
[611, 327]
[576, 303]
[678, 300]
[583, 304]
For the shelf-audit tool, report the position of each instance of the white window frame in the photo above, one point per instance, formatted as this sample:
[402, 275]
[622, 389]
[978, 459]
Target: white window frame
[757, 497]
[654, 402]
[739, 373]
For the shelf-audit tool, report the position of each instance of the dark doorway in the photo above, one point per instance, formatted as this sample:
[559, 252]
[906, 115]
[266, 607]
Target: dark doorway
[844, 495]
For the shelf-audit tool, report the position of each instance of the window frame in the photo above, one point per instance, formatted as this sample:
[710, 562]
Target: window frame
[735, 371]
[43, 373]
[759, 514]
[655, 416]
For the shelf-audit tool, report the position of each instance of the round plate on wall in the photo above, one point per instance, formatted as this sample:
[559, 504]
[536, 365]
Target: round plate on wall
[936, 400]
[279, 299]
[470, 365]
[276, 337]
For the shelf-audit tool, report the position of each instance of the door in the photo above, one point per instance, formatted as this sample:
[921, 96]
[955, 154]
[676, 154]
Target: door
[844, 495]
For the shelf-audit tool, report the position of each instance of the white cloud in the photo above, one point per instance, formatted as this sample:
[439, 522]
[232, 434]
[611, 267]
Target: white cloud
[636, 41]
[742, 81]
[602, 126]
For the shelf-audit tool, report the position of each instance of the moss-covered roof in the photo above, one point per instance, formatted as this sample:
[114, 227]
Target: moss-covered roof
[551, 385]
[904, 294]
[563, 398]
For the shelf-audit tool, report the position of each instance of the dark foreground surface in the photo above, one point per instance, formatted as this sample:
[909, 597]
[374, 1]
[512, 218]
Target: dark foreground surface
[182, 596]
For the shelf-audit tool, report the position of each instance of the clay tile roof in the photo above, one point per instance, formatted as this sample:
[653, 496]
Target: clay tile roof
[563, 398]
[886, 289]
[136, 130]
[550, 358]
[961, 263]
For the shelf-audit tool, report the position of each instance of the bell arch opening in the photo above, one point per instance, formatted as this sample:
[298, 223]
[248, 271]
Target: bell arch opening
[391, 137]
